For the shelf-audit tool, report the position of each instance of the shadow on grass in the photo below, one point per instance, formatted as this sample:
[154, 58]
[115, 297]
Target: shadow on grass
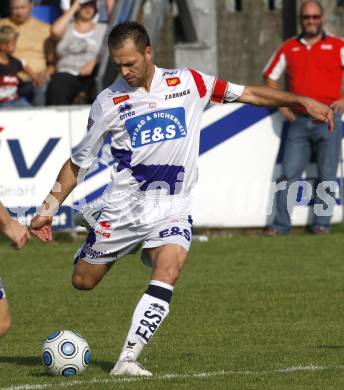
[22, 360]
[36, 361]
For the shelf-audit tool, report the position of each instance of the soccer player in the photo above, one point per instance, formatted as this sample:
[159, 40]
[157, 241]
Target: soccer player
[154, 117]
[19, 236]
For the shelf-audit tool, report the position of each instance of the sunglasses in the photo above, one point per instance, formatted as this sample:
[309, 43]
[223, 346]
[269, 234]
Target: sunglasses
[308, 17]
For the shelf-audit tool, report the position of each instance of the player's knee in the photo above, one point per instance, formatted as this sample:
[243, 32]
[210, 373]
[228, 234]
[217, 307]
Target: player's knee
[5, 326]
[81, 282]
[170, 274]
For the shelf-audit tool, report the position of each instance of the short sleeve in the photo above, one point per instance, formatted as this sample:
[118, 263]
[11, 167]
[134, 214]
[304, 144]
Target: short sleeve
[204, 84]
[97, 128]
[275, 66]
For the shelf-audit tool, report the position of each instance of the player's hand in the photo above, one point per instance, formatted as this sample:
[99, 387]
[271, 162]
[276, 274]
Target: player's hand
[338, 106]
[17, 233]
[320, 112]
[41, 227]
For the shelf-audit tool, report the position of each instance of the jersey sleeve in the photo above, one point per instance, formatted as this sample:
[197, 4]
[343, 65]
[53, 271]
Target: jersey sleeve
[204, 84]
[215, 90]
[275, 66]
[97, 128]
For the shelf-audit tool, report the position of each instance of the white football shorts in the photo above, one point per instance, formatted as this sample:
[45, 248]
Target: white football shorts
[123, 226]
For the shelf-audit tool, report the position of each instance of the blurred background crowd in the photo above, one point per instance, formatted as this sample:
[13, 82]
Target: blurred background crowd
[49, 50]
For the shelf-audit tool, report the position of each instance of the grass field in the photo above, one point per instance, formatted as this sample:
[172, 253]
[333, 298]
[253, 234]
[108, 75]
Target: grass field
[248, 313]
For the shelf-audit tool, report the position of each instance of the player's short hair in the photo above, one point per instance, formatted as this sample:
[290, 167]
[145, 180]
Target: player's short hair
[304, 3]
[7, 33]
[129, 30]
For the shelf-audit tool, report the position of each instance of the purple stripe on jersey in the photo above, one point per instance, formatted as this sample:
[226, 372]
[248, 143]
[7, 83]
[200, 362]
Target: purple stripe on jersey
[151, 176]
[124, 158]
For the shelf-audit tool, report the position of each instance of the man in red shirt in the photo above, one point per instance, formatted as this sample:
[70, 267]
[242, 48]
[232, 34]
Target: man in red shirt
[314, 63]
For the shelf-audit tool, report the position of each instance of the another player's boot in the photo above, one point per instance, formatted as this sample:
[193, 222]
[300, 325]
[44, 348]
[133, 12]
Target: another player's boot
[129, 368]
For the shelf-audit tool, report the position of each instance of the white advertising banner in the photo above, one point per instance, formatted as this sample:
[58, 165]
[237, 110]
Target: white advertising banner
[237, 167]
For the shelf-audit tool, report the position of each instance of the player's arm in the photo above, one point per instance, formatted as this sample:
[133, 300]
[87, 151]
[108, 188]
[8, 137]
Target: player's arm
[83, 156]
[270, 97]
[17, 233]
[66, 181]
[285, 111]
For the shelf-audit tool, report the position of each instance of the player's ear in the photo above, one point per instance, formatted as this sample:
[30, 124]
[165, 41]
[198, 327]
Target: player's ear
[148, 53]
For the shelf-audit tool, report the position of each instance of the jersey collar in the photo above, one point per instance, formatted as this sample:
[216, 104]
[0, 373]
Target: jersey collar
[304, 42]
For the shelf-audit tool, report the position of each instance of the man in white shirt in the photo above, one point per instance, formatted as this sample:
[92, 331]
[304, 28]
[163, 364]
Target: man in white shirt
[154, 117]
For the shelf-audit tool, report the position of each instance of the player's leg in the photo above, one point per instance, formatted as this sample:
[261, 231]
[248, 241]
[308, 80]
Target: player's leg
[167, 263]
[5, 319]
[87, 275]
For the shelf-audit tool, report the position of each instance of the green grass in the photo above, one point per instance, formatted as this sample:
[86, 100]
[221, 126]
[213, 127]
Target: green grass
[245, 309]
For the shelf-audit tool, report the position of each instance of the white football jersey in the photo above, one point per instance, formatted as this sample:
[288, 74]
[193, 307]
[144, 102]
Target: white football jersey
[155, 135]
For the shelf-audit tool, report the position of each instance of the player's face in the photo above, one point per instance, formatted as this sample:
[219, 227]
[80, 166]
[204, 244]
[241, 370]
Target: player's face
[133, 65]
[311, 20]
[20, 10]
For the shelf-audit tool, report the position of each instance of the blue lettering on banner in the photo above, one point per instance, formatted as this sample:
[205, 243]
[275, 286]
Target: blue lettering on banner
[156, 127]
[19, 160]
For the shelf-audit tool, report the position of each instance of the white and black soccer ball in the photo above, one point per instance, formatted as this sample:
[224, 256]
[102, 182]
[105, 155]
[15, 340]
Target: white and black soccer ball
[66, 353]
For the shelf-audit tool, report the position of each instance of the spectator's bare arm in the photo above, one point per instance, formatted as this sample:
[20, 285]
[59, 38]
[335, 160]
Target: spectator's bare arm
[34, 76]
[88, 68]
[109, 5]
[60, 25]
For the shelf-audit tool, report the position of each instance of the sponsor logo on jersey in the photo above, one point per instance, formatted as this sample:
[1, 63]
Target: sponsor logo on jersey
[296, 49]
[106, 225]
[120, 99]
[177, 94]
[173, 81]
[170, 73]
[125, 111]
[153, 105]
[103, 233]
[325, 46]
[158, 126]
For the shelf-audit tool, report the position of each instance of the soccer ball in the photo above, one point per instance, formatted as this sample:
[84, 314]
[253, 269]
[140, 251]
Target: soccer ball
[66, 353]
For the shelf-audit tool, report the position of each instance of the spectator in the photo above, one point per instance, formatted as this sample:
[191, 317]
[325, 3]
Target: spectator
[31, 47]
[104, 6]
[79, 42]
[9, 68]
[314, 62]
[18, 235]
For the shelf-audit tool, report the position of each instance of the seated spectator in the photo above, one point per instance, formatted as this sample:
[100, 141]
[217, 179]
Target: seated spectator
[9, 68]
[31, 48]
[80, 40]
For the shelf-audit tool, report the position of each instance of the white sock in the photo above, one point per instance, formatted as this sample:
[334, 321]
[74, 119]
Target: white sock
[149, 314]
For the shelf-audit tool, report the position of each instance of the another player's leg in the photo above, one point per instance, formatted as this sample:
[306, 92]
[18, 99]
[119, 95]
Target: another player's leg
[167, 262]
[5, 319]
[86, 275]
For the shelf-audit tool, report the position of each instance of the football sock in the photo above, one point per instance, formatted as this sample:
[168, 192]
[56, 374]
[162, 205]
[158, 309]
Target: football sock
[150, 312]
